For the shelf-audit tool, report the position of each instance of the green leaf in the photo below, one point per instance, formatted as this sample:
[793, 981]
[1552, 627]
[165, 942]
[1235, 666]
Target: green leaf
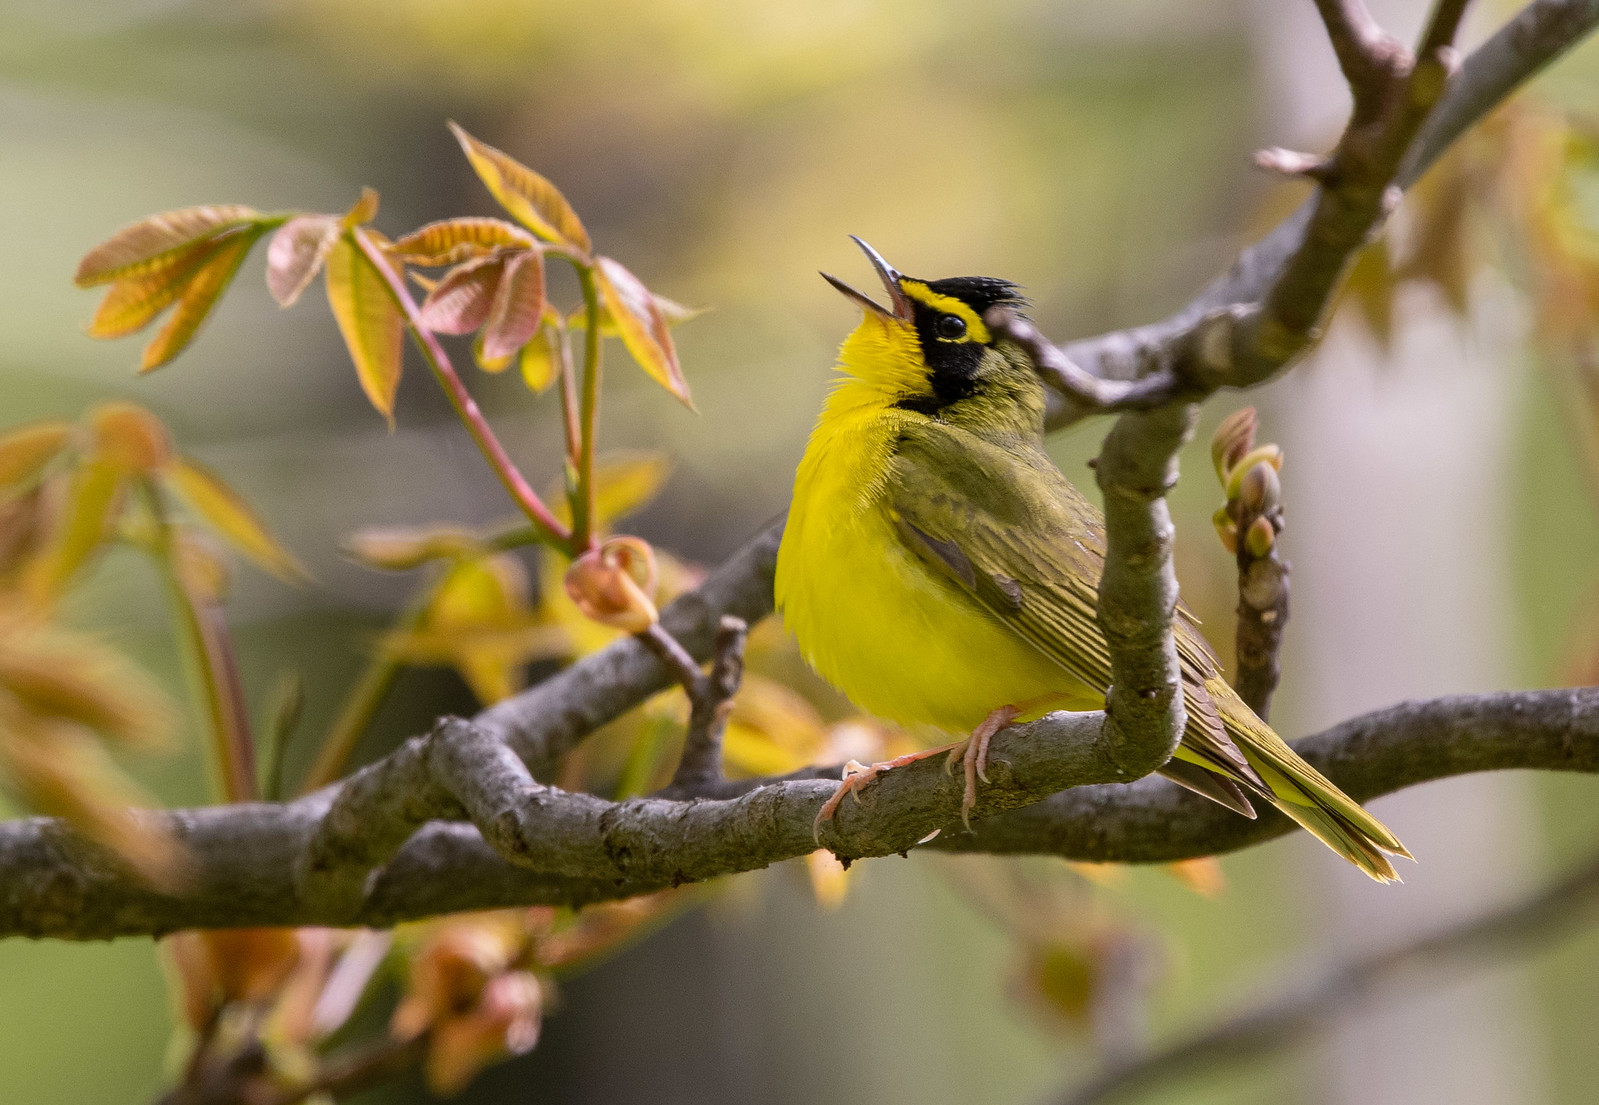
[200, 293]
[642, 326]
[298, 251]
[451, 241]
[144, 243]
[461, 301]
[532, 201]
[27, 449]
[518, 307]
[226, 512]
[370, 321]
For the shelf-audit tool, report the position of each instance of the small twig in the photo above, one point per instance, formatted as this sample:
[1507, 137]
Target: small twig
[1060, 372]
[356, 1069]
[1286, 1018]
[1262, 618]
[1356, 37]
[1442, 26]
[671, 653]
[710, 698]
[711, 702]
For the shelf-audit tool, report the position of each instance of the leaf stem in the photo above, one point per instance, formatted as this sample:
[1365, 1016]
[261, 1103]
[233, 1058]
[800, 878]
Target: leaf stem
[211, 649]
[355, 716]
[569, 415]
[466, 407]
[583, 500]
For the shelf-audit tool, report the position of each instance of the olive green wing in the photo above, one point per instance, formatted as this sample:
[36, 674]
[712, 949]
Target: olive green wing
[1005, 527]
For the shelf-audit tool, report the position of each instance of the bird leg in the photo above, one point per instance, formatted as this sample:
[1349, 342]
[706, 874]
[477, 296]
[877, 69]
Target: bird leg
[973, 752]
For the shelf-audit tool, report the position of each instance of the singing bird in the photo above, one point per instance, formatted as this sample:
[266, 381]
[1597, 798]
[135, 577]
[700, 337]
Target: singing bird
[939, 570]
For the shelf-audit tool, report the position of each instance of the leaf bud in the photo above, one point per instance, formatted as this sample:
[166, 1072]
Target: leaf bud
[615, 584]
[1232, 439]
[1260, 538]
[1226, 529]
[1259, 491]
[1260, 454]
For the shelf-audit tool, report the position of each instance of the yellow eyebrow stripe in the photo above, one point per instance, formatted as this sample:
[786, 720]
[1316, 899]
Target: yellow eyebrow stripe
[976, 329]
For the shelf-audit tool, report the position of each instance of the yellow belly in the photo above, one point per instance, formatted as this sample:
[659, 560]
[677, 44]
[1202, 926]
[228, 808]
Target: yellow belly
[900, 641]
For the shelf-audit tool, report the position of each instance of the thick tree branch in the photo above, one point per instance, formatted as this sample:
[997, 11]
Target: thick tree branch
[583, 849]
[1288, 1017]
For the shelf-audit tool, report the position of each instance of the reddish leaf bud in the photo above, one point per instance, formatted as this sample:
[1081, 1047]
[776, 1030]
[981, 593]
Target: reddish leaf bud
[615, 584]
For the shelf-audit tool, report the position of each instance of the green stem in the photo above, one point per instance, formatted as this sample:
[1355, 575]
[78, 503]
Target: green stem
[466, 407]
[569, 415]
[210, 649]
[583, 500]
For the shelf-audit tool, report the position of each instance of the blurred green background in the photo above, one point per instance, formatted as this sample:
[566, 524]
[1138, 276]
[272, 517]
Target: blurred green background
[1097, 153]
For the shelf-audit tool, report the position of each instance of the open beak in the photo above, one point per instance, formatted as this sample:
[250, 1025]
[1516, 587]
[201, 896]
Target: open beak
[900, 304]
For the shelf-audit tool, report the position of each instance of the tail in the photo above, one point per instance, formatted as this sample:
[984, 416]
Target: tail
[1296, 788]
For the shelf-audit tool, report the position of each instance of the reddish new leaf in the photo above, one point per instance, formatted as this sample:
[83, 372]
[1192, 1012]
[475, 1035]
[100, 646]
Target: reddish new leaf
[451, 241]
[462, 300]
[369, 319]
[298, 251]
[642, 326]
[518, 307]
[532, 201]
[146, 240]
[200, 294]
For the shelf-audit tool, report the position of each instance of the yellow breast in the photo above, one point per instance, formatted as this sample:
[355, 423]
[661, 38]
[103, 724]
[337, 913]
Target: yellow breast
[873, 620]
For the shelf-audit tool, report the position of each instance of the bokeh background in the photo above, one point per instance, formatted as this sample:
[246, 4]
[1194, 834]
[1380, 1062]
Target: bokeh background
[1443, 526]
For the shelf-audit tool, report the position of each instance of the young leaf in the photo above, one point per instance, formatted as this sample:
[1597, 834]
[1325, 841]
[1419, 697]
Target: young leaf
[93, 501]
[27, 449]
[298, 251]
[532, 201]
[674, 312]
[541, 360]
[363, 211]
[462, 300]
[370, 321]
[451, 241]
[133, 247]
[518, 306]
[401, 548]
[129, 438]
[642, 326]
[485, 362]
[623, 481]
[200, 294]
[225, 511]
[137, 298]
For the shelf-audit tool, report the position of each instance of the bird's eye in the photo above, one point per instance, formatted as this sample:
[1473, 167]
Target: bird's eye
[951, 326]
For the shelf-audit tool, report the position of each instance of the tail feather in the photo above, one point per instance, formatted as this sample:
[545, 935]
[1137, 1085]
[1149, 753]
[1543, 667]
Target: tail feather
[1303, 793]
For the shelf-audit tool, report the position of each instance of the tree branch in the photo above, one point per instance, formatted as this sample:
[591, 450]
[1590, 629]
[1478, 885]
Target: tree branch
[1276, 268]
[580, 848]
[1287, 1018]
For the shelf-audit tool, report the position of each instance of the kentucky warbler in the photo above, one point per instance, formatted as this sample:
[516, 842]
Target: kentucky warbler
[939, 569]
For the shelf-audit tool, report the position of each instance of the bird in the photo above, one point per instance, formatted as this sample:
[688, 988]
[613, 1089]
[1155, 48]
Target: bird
[939, 570]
